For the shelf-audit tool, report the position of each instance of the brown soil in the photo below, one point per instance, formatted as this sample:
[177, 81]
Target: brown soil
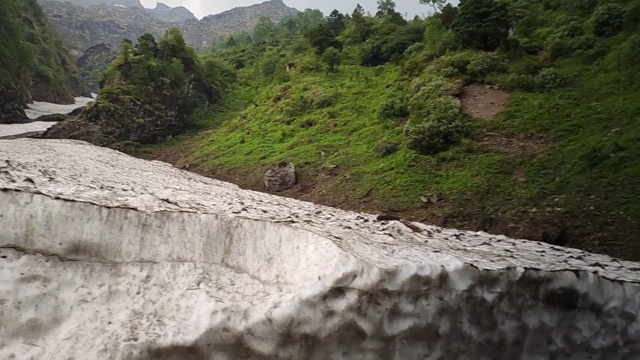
[524, 146]
[483, 101]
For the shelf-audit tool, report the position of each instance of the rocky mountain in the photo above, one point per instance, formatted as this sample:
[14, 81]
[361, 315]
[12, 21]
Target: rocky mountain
[85, 25]
[200, 34]
[93, 61]
[34, 63]
[104, 21]
[178, 14]
[118, 3]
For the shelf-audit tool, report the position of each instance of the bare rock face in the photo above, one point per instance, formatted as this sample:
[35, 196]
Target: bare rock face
[11, 107]
[178, 14]
[103, 256]
[280, 177]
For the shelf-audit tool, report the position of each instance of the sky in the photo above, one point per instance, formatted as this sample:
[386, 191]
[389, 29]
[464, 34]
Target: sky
[202, 8]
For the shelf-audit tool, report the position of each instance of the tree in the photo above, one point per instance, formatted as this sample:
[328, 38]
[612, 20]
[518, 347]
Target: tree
[608, 20]
[358, 11]
[126, 47]
[331, 57]
[437, 5]
[385, 8]
[321, 38]
[336, 22]
[146, 45]
[448, 15]
[231, 42]
[264, 30]
[482, 24]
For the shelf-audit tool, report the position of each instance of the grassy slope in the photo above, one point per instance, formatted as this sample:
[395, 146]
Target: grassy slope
[581, 191]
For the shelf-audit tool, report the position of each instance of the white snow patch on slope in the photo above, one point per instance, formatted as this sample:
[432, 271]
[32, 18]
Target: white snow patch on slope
[39, 108]
[20, 130]
[104, 256]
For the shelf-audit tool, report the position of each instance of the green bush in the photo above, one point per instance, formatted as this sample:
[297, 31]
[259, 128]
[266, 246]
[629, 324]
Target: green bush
[482, 64]
[386, 148]
[523, 82]
[608, 20]
[436, 136]
[433, 86]
[475, 65]
[548, 79]
[436, 122]
[396, 107]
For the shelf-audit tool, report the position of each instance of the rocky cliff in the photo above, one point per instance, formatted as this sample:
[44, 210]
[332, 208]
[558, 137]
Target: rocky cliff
[201, 34]
[104, 256]
[84, 26]
[178, 14]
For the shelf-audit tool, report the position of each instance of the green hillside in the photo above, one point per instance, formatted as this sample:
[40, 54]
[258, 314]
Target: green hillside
[33, 59]
[368, 108]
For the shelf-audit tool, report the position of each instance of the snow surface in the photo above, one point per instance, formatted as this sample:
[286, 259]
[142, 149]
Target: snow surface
[35, 110]
[104, 256]
[10, 131]
[39, 108]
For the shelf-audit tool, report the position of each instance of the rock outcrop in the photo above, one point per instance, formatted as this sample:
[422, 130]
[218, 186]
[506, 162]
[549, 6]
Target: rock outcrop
[104, 256]
[122, 120]
[177, 15]
[11, 107]
[92, 63]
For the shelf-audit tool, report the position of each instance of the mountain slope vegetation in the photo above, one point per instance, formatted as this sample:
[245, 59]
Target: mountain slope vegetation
[33, 60]
[384, 114]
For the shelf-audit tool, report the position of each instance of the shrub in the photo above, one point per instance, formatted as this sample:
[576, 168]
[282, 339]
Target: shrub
[548, 79]
[524, 82]
[436, 123]
[386, 148]
[475, 65]
[482, 64]
[608, 20]
[396, 107]
[432, 87]
[435, 136]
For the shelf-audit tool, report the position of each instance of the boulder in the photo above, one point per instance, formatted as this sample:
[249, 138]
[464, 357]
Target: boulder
[280, 177]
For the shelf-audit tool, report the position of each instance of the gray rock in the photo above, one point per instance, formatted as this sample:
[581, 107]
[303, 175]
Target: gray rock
[280, 177]
[52, 118]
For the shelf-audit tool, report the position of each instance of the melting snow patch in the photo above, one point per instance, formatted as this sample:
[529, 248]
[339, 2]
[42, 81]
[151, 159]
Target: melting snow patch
[104, 256]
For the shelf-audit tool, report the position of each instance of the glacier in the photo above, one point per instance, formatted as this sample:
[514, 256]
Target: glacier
[105, 256]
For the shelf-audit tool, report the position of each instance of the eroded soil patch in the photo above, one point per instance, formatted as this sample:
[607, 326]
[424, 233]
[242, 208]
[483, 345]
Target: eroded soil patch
[483, 101]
